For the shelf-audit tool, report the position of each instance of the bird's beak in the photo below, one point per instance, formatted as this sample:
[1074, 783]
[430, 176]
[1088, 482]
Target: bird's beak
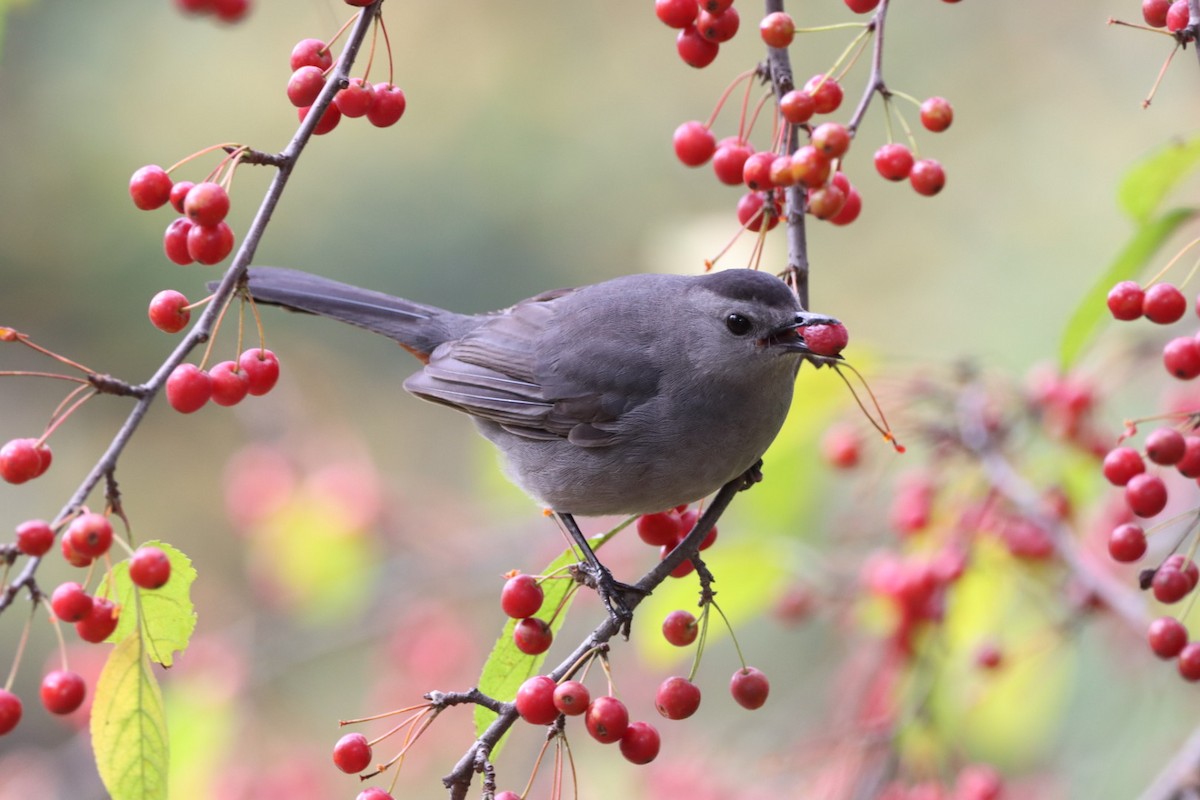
[789, 337]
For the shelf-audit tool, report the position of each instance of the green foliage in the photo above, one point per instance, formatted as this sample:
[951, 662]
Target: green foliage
[166, 616]
[128, 726]
[1141, 194]
[507, 667]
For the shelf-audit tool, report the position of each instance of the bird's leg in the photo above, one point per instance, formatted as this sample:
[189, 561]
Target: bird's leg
[612, 592]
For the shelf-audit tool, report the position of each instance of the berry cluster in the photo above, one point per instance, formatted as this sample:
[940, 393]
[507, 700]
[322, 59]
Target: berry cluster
[224, 10]
[189, 388]
[815, 166]
[521, 598]
[201, 233]
[23, 460]
[382, 104]
[666, 529]
[1161, 303]
[702, 26]
[88, 537]
[1170, 14]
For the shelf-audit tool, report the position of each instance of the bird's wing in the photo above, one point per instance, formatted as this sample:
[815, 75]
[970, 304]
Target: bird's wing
[510, 371]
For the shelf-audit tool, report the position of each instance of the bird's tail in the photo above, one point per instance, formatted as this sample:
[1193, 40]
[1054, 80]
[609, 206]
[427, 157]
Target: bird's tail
[418, 328]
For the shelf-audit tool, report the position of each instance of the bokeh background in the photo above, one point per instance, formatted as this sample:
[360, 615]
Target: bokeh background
[350, 540]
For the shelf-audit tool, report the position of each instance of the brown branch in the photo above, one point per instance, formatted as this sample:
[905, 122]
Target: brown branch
[204, 327]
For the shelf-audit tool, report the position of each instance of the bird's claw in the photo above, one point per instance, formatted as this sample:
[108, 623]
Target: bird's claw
[613, 594]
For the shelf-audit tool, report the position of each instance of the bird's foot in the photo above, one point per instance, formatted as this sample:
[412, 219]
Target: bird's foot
[613, 593]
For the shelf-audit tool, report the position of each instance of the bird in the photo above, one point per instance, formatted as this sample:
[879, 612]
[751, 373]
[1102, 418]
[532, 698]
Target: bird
[628, 396]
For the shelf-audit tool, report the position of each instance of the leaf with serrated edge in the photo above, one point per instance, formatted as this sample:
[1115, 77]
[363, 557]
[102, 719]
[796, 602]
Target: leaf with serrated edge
[168, 617]
[1147, 183]
[128, 725]
[1093, 309]
[507, 667]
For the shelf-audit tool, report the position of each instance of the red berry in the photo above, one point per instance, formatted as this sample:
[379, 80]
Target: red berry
[375, 793]
[606, 719]
[188, 388]
[230, 10]
[756, 172]
[10, 711]
[168, 311]
[781, 172]
[150, 187]
[100, 622]
[720, 26]
[179, 193]
[62, 691]
[684, 568]
[149, 567]
[826, 93]
[572, 698]
[521, 596]
[777, 29]
[1165, 446]
[1146, 495]
[1181, 357]
[640, 743]
[680, 628]
[304, 86]
[311, 52]
[328, 121]
[895, 162]
[751, 212]
[1189, 661]
[535, 700]
[1189, 465]
[387, 105]
[659, 529]
[1154, 12]
[1188, 567]
[262, 369]
[70, 603]
[936, 114]
[978, 781]
[841, 446]
[1170, 584]
[850, 209]
[1177, 16]
[206, 204]
[694, 49]
[209, 244]
[676, 13]
[729, 160]
[22, 460]
[532, 636]
[352, 753]
[810, 167]
[90, 534]
[34, 537]
[831, 138]
[797, 106]
[68, 553]
[229, 383]
[175, 241]
[677, 698]
[1121, 464]
[1127, 543]
[927, 177]
[862, 6]
[826, 340]
[826, 201]
[356, 99]
[1125, 300]
[988, 656]
[694, 143]
[1167, 637]
[749, 687]
[194, 6]
[1164, 304]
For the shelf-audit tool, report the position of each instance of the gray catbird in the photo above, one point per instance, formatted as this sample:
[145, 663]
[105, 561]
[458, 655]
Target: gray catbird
[629, 396]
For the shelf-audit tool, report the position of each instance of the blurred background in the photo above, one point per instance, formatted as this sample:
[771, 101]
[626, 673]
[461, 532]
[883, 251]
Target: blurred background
[350, 541]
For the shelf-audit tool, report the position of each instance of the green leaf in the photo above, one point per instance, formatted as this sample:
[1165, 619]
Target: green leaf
[129, 728]
[1085, 322]
[167, 615]
[507, 667]
[1150, 180]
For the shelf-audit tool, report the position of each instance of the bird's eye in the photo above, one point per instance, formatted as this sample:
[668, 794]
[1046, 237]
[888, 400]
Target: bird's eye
[737, 324]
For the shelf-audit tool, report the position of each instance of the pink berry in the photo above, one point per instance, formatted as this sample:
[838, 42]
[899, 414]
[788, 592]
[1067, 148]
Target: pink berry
[356, 99]
[606, 719]
[168, 311]
[150, 187]
[210, 244]
[62, 691]
[304, 86]
[640, 743]
[777, 29]
[352, 753]
[206, 204]
[1121, 464]
[936, 114]
[90, 534]
[1154, 12]
[720, 26]
[1125, 300]
[1181, 357]
[694, 49]
[35, 537]
[1146, 495]
[311, 52]
[521, 596]
[826, 340]
[188, 388]
[572, 698]
[230, 384]
[826, 93]
[1177, 16]
[10, 711]
[658, 529]
[1165, 446]
[680, 628]
[149, 567]
[100, 621]
[387, 106]
[797, 106]
[927, 177]
[1167, 637]
[749, 688]
[694, 143]
[262, 369]
[329, 120]
[1127, 543]
[70, 602]
[175, 241]
[533, 636]
[895, 161]
[1163, 303]
[677, 698]
[535, 700]
[676, 13]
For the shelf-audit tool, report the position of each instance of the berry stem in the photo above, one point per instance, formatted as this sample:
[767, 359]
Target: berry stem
[700, 640]
[18, 373]
[20, 651]
[882, 425]
[712, 118]
[58, 419]
[223, 146]
[1171, 263]
[25, 340]
[384, 715]
[387, 43]
[732, 636]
